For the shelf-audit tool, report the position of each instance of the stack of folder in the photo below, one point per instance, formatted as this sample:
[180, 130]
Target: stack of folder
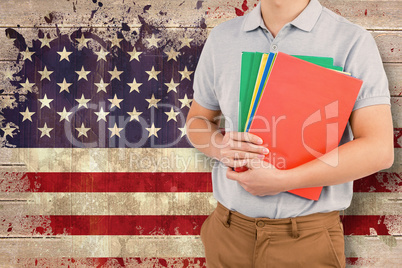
[298, 105]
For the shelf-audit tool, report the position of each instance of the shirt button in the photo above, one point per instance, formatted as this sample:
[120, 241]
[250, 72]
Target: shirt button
[260, 223]
[274, 47]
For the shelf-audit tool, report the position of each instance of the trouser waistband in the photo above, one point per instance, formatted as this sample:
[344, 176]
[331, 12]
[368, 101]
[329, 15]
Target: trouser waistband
[293, 225]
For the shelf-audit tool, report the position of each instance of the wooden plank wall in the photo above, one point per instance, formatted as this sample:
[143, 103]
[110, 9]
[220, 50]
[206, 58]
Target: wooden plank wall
[30, 20]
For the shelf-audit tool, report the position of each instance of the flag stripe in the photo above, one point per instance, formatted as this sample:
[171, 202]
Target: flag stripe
[168, 225]
[159, 204]
[107, 159]
[154, 262]
[162, 246]
[116, 160]
[106, 182]
[379, 182]
[110, 262]
[150, 182]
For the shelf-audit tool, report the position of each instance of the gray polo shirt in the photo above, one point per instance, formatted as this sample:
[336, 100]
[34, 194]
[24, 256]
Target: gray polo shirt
[316, 32]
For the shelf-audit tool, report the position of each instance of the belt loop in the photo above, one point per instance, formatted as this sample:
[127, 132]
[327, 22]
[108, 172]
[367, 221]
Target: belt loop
[295, 233]
[227, 218]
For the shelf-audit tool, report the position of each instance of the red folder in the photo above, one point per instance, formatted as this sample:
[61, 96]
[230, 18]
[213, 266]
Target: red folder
[303, 113]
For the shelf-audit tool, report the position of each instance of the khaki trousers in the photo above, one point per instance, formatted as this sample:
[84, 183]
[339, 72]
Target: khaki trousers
[234, 240]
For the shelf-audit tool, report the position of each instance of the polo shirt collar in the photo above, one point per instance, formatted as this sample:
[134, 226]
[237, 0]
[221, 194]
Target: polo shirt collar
[305, 21]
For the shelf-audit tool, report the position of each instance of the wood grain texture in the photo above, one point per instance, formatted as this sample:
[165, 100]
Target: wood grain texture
[388, 42]
[174, 13]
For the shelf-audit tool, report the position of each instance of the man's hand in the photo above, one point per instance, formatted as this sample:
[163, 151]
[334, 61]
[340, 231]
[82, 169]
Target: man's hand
[261, 178]
[236, 147]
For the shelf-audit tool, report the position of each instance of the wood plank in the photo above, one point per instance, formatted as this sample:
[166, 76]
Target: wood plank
[173, 13]
[394, 74]
[368, 14]
[387, 41]
[159, 204]
[389, 45]
[164, 246]
[116, 160]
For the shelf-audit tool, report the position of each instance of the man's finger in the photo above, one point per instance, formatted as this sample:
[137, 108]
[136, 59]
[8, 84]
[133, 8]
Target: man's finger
[233, 175]
[245, 136]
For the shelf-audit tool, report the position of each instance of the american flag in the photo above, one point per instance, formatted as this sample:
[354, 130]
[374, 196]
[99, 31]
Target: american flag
[107, 175]
[96, 167]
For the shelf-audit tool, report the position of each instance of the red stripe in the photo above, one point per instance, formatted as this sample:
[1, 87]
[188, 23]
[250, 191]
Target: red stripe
[152, 182]
[150, 262]
[111, 262]
[164, 225]
[106, 182]
[369, 225]
[379, 182]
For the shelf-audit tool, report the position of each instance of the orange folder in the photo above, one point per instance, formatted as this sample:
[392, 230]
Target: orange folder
[303, 113]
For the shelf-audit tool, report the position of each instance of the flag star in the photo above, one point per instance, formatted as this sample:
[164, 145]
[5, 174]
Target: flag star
[45, 41]
[153, 131]
[134, 54]
[153, 102]
[64, 115]
[45, 131]
[101, 115]
[185, 74]
[82, 42]
[64, 86]
[8, 74]
[172, 55]
[116, 41]
[153, 41]
[185, 101]
[45, 74]
[64, 54]
[134, 86]
[82, 130]
[153, 74]
[27, 86]
[185, 42]
[8, 131]
[115, 130]
[101, 86]
[82, 102]
[134, 115]
[115, 102]
[183, 131]
[115, 74]
[45, 102]
[27, 115]
[101, 54]
[172, 86]
[82, 74]
[27, 54]
[171, 115]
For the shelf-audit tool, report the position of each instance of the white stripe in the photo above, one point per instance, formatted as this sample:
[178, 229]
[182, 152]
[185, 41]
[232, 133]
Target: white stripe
[375, 204]
[107, 203]
[160, 204]
[116, 160]
[162, 246]
[107, 159]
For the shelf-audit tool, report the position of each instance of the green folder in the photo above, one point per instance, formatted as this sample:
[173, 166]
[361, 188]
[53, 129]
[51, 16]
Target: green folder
[250, 65]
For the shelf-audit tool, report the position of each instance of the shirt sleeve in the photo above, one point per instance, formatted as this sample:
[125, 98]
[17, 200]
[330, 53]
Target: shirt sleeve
[364, 62]
[204, 77]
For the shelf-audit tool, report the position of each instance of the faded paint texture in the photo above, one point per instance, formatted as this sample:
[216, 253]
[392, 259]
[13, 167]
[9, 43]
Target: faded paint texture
[56, 212]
